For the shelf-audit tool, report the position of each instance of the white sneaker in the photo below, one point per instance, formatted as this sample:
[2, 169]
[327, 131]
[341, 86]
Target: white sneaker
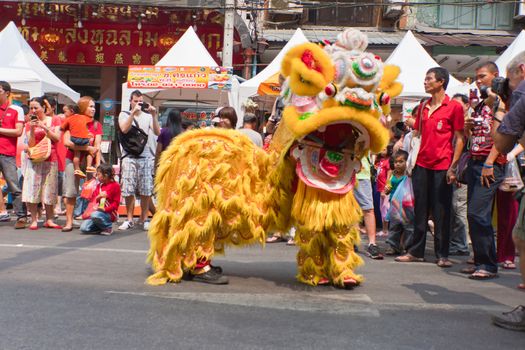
[145, 226]
[126, 225]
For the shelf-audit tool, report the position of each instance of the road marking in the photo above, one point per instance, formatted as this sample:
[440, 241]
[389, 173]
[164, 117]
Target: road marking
[341, 304]
[33, 246]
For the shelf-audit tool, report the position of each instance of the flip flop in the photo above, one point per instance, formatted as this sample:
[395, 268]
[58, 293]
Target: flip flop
[481, 275]
[53, 226]
[67, 229]
[408, 258]
[508, 265]
[33, 228]
[444, 263]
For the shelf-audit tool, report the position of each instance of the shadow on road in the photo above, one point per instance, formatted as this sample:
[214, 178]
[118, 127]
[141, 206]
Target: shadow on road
[435, 294]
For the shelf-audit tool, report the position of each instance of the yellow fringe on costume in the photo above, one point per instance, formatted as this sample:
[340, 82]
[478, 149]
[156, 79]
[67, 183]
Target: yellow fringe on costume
[326, 232]
[215, 188]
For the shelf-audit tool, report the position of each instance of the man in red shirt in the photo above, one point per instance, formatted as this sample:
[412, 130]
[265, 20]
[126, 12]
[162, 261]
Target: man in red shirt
[11, 126]
[442, 119]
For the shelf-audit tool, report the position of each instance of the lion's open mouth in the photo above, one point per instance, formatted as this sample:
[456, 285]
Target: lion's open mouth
[329, 157]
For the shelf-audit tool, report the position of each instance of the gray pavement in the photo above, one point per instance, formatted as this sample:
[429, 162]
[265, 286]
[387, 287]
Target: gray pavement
[72, 291]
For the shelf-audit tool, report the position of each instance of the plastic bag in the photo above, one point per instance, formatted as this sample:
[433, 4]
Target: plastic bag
[512, 181]
[88, 188]
[402, 203]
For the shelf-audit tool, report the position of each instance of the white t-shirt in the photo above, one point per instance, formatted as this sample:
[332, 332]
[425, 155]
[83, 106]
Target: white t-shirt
[145, 121]
[253, 135]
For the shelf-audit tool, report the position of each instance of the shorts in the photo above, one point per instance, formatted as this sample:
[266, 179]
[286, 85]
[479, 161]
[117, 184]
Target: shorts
[79, 141]
[519, 228]
[70, 182]
[363, 194]
[136, 176]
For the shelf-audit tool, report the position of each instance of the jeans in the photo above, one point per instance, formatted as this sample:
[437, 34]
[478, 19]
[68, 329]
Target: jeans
[80, 206]
[399, 233]
[9, 170]
[458, 232]
[433, 195]
[99, 221]
[479, 214]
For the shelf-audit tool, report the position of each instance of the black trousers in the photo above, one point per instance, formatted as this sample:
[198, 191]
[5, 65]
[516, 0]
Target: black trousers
[433, 195]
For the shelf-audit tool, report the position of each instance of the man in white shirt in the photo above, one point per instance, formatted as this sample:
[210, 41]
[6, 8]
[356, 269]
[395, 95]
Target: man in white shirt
[137, 171]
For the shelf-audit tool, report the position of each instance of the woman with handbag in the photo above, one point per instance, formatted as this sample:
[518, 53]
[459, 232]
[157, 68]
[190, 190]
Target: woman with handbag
[41, 172]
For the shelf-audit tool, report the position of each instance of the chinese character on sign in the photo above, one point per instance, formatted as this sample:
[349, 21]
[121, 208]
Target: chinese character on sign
[100, 58]
[43, 55]
[136, 58]
[119, 59]
[62, 57]
[81, 58]
[155, 58]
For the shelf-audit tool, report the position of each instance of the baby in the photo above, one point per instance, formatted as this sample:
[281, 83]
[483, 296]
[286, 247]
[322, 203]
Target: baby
[76, 124]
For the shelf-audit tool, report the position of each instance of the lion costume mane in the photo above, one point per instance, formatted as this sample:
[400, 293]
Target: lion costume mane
[216, 188]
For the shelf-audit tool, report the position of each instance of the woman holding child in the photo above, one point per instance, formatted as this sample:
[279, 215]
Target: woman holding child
[41, 170]
[86, 107]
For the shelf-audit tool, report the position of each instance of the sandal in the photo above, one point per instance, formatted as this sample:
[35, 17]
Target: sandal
[79, 173]
[275, 239]
[508, 265]
[290, 242]
[67, 229]
[482, 275]
[521, 287]
[444, 263]
[52, 225]
[323, 281]
[408, 258]
[33, 228]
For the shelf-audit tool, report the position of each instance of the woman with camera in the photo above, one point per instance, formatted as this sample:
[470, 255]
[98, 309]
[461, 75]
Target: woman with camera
[41, 171]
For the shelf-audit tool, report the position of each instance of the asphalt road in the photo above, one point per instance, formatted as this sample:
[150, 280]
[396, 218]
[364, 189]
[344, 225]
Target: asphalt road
[72, 291]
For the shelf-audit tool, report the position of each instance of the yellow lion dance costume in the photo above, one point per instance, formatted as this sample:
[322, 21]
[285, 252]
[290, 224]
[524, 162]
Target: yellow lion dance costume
[216, 188]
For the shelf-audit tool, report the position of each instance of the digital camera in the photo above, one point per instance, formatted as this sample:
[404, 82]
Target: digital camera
[144, 107]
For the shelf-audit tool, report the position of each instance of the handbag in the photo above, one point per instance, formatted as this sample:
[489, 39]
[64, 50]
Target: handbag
[462, 165]
[415, 142]
[42, 150]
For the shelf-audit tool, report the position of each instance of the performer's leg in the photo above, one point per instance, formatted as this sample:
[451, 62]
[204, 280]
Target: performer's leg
[311, 258]
[342, 258]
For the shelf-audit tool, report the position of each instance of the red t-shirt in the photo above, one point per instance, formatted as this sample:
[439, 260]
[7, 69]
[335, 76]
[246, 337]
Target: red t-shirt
[437, 134]
[95, 128]
[40, 134]
[8, 120]
[112, 190]
[481, 140]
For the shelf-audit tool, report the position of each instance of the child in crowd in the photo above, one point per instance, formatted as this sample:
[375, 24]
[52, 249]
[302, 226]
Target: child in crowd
[383, 173]
[107, 199]
[76, 124]
[400, 225]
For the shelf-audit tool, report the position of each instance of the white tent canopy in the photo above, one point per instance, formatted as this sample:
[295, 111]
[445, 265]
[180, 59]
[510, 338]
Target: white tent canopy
[414, 62]
[517, 46]
[249, 87]
[188, 51]
[23, 69]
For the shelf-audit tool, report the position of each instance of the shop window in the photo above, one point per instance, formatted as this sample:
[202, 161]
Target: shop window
[342, 13]
[479, 14]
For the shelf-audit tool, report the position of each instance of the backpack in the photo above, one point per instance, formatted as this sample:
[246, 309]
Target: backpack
[134, 141]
